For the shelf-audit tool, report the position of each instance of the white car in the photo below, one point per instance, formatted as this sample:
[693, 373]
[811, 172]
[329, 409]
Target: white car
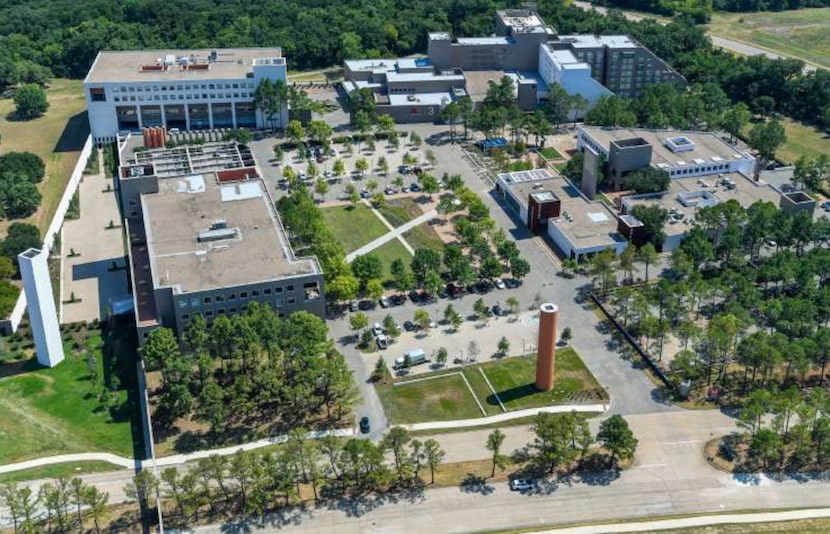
[520, 484]
[500, 283]
[377, 329]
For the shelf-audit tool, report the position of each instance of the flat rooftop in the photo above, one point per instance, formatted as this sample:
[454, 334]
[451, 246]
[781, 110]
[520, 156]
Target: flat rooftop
[424, 99]
[478, 81]
[700, 192]
[395, 76]
[598, 41]
[203, 234]
[154, 65]
[707, 145]
[522, 20]
[372, 65]
[479, 41]
[586, 223]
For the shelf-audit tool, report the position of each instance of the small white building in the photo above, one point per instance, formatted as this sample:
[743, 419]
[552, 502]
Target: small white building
[187, 90]
[43, 318]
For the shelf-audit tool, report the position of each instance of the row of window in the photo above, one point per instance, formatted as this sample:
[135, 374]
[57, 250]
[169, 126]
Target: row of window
[278, 303]
[209, 315]
[181, 87]
[696, 170]
[243, 295]
[195, 96]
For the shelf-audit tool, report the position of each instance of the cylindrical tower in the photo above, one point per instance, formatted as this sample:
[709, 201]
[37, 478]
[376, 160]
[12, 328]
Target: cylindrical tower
[546, 360]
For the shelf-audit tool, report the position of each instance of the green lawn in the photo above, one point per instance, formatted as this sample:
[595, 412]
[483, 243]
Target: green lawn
[448, 397]
[44, 412]
[354, 225]
[69, 469]
[441, 399]
[424, 236]
[399, 211]
[57, 137]
[514, 378]
[803, 33]
[803, 140]
[550, 153]
[389, 252]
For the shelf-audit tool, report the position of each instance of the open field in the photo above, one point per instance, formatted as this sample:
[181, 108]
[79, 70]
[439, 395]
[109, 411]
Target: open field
[441, 399]
[399, 211]
[44, 412]
[57, 137]
[389, 252]
[803, 140]
[68, 469]
[447, 396]
[353, 225]
[803, 33]
[424, 236]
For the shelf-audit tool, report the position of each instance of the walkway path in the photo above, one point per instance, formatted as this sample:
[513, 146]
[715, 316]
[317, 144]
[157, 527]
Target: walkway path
[175, 459]
[394, 233]
[502, 417]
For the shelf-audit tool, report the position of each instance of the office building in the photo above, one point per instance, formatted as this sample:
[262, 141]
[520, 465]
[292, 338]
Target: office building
[549, 204]
[525, 49]
[205, 238]
[181, 89]
[40, 300]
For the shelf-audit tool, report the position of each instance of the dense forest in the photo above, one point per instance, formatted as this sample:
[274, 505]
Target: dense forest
[701, 10]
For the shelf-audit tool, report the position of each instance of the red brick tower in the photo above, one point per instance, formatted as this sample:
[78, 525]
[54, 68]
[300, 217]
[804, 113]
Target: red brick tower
[546, 361]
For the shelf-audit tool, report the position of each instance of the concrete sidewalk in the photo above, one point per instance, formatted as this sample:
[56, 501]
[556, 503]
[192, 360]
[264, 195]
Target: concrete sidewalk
[502, 417]
[394, 233]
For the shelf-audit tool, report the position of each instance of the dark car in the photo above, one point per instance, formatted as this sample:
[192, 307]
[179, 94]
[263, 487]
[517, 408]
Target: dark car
[364, 425]
[415, 297]
[366, 304]
[511, 283]
[414, 187]
[498, 311]
[397, 300]
[483, 287]
[409, 326]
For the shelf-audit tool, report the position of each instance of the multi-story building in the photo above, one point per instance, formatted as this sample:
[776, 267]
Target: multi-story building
[525, 49]
[186, 90]
[205, 238]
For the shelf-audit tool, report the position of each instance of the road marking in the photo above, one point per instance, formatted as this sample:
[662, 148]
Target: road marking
[547, 251]
[685, 442]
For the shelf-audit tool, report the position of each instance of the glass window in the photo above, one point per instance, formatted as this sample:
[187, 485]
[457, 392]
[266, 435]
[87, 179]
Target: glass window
[290, 287]
[207, 300]
[255, 293]
[243, 295]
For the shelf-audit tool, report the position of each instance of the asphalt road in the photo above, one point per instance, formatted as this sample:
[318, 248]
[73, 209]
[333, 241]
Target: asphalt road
[738, 47]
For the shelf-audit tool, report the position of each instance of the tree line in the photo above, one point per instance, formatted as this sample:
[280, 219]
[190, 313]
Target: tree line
[251, 370]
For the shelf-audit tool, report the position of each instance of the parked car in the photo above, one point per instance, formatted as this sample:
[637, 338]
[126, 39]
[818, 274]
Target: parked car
[500, 283]
[404, 169]
[377, 329]
[415, 297]
[382, 341]
[384, 302]
[390, 190]
[364, 425]
[826, 206]
[498, 311]
[520, 484]
[366, 304]
[364, 193]
[483, 287]
[414, 187]
[353, 306]
[409, 326]
[512, 283]
[397, 300]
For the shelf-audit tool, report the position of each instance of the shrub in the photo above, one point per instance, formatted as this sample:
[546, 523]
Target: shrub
[23, 165]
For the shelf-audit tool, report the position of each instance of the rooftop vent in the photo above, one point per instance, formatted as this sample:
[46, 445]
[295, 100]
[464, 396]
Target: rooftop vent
[679, 144]
[219, 234]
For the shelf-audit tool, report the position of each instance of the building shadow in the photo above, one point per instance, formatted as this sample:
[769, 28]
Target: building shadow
[74, 134]
[512, 394]
[111, 275]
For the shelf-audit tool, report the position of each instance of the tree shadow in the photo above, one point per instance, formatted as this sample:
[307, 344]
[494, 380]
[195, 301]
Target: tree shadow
[473, 483]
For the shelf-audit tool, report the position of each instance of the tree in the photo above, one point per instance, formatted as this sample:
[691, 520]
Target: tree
[401, 275]
[494, 442]
[648, 180]
[270, 97]
[519, 268]
[429, 183]
[566, 335]
[143, 488]
[367, 267]
[441, 356]
[473, 350]
[339, 168]
[654, 220]
[396, 440]
[647, 255]
[552, 444]
[479, 307]
[96, 500]
[240, 135]
[390, 326]
[766, 444]
[30, 102]
[504, 346]
[434, 456]
[766, 138]
[512, 304]
[735, 119]
[425, 261]
[422, 319]
[321, 187]
[319, 131]
[161, 346]
[361, 165]
[374, 289]
[612, 111]
[358, 321]
[617, 437]
[295, 131]
[24, 165]
[20, 199]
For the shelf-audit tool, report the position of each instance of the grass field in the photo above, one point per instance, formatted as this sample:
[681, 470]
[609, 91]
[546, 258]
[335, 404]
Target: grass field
[57, 137]
[399, 211]
[447, 397]
[353, 225]
[802, 140]
[44, 412]
[803, 33]
[69, 469]
[441, 399]
[550, 153]
[389, 252]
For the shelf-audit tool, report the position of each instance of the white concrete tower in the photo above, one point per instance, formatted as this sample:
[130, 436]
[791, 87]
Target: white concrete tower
[39, 298]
